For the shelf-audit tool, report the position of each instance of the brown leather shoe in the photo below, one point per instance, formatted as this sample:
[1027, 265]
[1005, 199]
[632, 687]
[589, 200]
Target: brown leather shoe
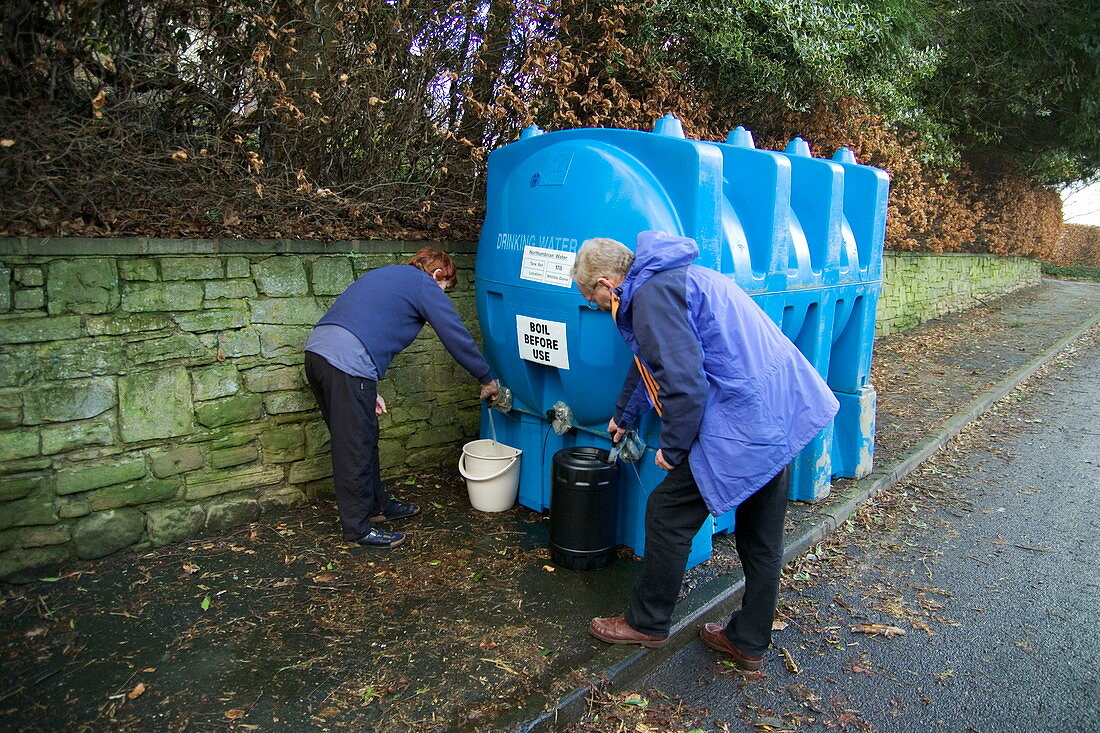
[615, 630]
[715, 637]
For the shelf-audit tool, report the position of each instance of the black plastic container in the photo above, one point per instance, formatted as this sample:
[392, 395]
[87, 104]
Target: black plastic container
[582, 508]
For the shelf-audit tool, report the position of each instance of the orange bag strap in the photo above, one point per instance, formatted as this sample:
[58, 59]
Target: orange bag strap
[651, 386]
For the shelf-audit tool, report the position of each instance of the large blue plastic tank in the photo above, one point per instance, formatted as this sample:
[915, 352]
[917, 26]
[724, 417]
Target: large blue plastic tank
[802, 235]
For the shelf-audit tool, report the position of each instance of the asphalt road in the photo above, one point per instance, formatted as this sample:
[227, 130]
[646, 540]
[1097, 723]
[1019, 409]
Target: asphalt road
[989, 564]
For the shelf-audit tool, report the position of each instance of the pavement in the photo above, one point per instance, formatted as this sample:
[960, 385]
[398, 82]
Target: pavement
[277, 627]
[978, 572]
[1057, 314]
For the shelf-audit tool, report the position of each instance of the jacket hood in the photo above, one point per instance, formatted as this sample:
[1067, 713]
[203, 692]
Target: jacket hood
[656, 252]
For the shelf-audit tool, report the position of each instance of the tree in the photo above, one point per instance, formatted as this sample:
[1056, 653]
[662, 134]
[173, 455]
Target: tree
[1019, 84]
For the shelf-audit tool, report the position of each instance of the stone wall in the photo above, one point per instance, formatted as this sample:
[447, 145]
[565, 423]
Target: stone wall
[151, 390]
[917, 287]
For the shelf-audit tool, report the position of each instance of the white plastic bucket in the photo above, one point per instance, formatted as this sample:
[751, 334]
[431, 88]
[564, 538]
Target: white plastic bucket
[491, 470]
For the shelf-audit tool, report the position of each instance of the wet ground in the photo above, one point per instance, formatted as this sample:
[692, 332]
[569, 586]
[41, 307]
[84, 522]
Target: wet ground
[283, 626]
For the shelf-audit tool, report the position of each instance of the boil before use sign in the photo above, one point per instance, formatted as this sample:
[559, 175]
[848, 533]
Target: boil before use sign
[542, 342]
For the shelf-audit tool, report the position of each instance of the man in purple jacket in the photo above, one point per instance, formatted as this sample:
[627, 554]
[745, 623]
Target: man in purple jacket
[350, 349]
[737, 401]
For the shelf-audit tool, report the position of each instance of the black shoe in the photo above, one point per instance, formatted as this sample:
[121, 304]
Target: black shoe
[396, 510]
[381, 538]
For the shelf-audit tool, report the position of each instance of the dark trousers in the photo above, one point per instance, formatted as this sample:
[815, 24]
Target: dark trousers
[347, 405]
[674, 514]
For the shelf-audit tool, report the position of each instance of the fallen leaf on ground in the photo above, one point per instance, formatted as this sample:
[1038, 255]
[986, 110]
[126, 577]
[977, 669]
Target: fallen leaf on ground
[234, 714]
[136, 692]
[861, 665]
[921, 624]
[788, 660]
[500, 664]
[878, 629]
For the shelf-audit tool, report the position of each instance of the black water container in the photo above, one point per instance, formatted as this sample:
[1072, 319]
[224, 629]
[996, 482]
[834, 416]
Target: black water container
[582, 508]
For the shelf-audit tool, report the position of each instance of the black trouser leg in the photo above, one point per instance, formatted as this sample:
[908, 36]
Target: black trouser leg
[347, 405]
[674, 513]
[759, 535]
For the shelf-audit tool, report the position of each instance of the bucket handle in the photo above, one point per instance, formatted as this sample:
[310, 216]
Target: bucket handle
[462, 469]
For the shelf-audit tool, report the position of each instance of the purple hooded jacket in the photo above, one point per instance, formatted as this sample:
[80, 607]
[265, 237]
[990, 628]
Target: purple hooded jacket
[739, 400]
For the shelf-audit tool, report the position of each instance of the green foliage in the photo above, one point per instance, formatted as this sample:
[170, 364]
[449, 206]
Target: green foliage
[1014, 83]
[1072, 272]
[783, 56]
[1019, 83]
[792, 51]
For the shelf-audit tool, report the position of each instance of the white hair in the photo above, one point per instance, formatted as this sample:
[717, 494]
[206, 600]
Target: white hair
[600, 257]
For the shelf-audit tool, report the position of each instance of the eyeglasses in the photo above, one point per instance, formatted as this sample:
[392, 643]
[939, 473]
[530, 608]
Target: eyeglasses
[593, 305]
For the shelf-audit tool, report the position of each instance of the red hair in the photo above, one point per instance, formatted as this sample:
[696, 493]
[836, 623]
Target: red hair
[429, 260]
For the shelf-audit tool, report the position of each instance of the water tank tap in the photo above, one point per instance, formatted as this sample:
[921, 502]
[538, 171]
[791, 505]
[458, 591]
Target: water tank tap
[629, 448]
[503, 402]
[561, 418]
[633, 447]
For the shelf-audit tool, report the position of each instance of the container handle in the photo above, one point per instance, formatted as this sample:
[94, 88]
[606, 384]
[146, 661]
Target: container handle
[462, 469]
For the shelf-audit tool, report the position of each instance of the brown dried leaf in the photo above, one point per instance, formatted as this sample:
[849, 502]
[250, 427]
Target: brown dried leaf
[136, 692]
[788, 660]
[234, 714]
[878, 629]
[97, 104]
[922, 625]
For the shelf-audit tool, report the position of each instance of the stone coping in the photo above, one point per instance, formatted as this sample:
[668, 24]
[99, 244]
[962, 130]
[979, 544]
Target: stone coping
[129, 246]
[900, 253]
[108, 246]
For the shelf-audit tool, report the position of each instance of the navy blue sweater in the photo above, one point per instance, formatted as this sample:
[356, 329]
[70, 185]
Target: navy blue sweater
[387, 307]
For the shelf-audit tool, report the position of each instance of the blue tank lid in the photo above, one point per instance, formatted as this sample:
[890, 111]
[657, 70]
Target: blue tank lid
[530, 131]
[845, 155]
[798, 146]
[670, 126]
[741, 138]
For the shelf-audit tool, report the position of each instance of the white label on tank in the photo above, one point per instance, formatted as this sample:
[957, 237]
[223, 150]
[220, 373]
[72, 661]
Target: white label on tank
[551, 266]
[542, 342]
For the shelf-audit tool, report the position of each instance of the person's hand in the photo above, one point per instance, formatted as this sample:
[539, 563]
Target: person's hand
[662, 464]
[379, 405]
[616, 432]
[490, 391]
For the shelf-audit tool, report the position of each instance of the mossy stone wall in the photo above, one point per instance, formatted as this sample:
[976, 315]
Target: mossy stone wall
[153, 389]
[917, 287]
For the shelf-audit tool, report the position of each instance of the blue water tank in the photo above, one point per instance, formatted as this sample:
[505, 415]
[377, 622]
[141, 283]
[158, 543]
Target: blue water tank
[802, 235]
